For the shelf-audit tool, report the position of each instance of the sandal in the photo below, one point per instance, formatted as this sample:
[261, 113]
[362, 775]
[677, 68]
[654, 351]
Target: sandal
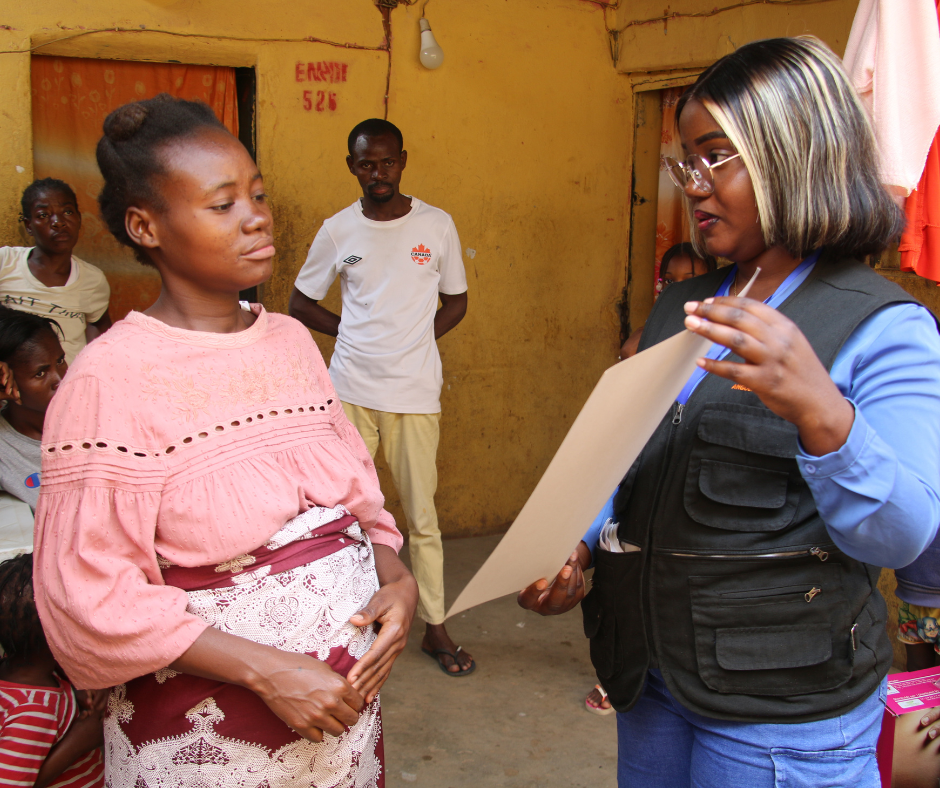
[453, 655]
[598, 709]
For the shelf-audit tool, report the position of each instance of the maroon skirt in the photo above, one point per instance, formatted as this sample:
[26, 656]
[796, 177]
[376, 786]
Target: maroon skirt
[296, 593]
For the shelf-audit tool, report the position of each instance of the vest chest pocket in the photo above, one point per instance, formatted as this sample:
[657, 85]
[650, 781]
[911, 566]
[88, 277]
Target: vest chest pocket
[742, 473]
[775, 631]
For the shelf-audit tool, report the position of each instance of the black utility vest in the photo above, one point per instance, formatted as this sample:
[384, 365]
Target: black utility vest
[738, 594]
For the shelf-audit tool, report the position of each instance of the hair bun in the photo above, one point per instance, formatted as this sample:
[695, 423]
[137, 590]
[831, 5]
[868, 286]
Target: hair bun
[125, 121]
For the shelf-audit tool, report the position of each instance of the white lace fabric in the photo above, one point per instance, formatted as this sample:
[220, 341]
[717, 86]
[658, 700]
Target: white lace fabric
[305, 610]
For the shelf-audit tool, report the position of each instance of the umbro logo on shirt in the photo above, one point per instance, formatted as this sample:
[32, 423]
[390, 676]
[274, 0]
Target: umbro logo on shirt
[421, 254]
[351, 260]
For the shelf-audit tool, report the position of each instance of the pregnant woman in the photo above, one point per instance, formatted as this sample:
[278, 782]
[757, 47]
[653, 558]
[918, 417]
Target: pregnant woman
[211, 539]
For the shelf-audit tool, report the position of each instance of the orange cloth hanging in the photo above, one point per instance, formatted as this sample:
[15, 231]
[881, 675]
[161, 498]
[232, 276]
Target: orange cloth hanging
[920, 241]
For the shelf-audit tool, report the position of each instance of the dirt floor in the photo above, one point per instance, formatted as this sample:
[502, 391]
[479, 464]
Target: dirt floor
[518, 721]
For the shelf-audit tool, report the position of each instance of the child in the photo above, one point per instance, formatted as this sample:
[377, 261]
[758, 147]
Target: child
[32, 364]
[680, 262]
[47, 279]
[919, 594]
[46, 739]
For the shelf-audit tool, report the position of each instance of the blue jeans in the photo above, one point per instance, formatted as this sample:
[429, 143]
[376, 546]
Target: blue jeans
[663, 745]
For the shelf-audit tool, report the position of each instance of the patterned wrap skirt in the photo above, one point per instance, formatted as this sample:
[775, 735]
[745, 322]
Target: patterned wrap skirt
[296, 593]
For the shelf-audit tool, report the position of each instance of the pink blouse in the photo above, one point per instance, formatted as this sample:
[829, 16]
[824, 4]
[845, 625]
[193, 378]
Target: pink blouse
[195, 447]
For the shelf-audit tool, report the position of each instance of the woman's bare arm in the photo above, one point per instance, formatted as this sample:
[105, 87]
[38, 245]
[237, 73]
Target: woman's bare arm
[304, 692]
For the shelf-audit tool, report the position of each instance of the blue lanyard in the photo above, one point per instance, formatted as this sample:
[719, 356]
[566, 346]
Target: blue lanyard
[794, 280]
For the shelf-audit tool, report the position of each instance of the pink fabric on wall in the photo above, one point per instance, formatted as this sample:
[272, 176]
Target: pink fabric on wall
[893, 59]
[193, 446]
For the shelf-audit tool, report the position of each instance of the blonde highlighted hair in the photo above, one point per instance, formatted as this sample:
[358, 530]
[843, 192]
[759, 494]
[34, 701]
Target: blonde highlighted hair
[787, 106]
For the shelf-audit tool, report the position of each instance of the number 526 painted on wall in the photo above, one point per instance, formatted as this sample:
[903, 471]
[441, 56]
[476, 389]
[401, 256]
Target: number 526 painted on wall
[324, 100]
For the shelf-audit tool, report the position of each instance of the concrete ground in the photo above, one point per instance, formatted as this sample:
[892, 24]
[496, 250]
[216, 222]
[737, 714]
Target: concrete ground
[518, 721]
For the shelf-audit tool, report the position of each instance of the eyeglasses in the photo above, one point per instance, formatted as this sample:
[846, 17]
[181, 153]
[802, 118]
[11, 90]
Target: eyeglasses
[695, 170]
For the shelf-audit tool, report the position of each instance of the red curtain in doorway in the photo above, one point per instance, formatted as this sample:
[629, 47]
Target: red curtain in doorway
[71, 98]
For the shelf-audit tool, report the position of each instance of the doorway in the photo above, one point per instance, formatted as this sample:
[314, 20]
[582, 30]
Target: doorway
[658, 219]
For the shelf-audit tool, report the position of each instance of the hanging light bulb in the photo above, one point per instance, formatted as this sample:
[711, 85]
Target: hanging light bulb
[432, 56]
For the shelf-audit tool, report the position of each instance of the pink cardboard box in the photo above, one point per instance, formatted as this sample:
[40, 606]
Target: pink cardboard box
[906, 757]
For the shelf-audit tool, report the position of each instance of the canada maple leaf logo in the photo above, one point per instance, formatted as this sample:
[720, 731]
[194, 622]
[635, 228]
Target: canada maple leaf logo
[421, 254]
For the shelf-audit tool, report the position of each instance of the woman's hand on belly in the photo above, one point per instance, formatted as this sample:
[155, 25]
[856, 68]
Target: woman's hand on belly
[307, 694]
[392, 608]
[564, 592]
[780, 366]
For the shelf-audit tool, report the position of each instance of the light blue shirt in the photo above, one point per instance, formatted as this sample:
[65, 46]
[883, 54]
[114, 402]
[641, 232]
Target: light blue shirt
[879, 495]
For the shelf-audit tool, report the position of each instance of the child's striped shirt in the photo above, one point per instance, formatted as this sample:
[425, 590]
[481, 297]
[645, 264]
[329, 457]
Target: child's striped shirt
[32, 720]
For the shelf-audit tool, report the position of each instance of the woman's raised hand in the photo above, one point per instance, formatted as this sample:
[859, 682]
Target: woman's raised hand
[563, 593]
[780, 366]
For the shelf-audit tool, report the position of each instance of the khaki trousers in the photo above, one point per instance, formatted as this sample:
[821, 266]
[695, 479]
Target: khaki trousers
[409, 443]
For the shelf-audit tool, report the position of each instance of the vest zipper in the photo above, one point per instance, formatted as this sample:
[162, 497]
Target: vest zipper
[677, 413]
[818, 552]
[646, 600]
[676, 419]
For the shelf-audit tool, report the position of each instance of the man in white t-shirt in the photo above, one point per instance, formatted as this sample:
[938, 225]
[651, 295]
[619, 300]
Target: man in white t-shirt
[395, 256]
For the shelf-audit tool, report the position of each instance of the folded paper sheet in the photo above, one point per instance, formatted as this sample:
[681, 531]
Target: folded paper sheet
[609, 433]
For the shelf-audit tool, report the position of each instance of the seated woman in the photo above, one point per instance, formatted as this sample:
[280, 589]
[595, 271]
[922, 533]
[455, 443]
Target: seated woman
[211, 537]
[47, 279]
[735, 619]
[32, 364]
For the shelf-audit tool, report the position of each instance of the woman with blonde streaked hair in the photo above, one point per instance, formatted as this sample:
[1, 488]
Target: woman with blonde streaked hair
[734, 618]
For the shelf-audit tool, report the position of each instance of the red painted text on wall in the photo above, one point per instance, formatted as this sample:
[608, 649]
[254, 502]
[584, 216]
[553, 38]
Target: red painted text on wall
[324, 100]
[323, 71]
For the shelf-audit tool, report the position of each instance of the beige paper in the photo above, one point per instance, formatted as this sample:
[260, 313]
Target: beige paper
[609, 433]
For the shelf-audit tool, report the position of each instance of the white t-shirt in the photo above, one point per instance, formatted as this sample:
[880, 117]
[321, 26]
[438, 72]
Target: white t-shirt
[81, 300]
[390, 272]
